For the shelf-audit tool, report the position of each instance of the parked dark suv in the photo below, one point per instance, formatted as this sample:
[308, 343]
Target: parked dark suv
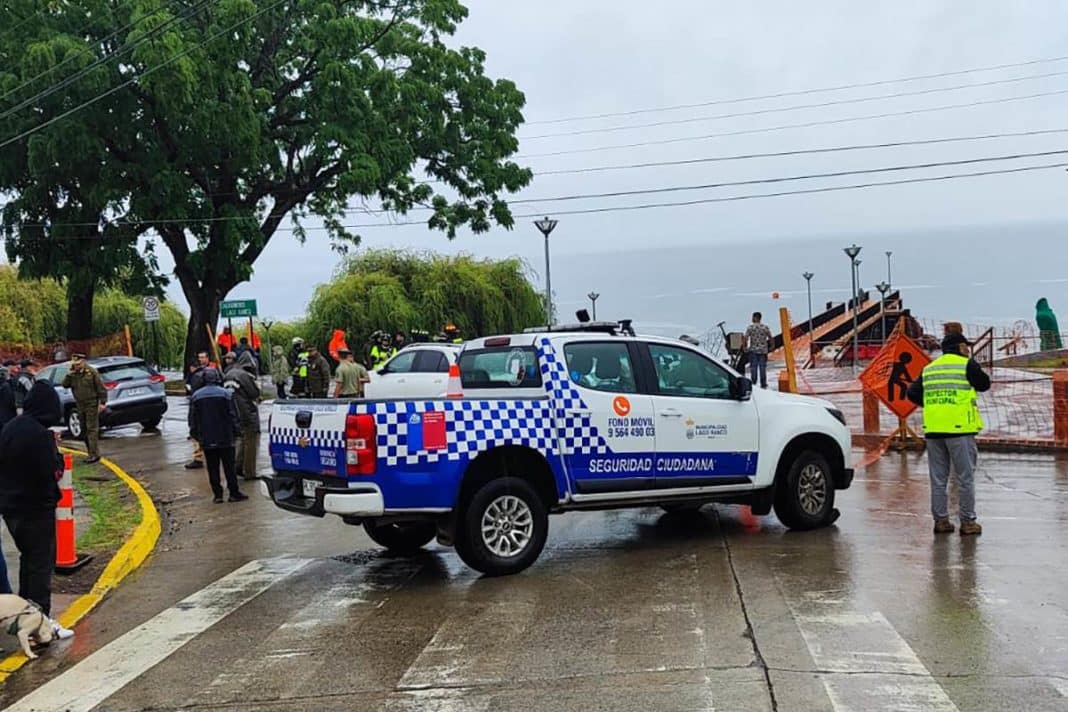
[135, 393]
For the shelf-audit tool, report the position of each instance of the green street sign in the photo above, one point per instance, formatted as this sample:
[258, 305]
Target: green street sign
[238, 309]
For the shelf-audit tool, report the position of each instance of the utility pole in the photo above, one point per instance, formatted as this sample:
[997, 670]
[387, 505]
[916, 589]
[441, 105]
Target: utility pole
[594, 296]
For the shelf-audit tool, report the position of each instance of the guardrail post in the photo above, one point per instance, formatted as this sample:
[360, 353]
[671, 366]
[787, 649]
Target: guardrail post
[1060, 405]
[871, 412]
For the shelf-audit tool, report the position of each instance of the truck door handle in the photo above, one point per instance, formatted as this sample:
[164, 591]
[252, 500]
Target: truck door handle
[580, 411]
[670, 413]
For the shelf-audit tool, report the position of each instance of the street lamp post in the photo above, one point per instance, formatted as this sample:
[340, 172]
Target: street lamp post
[811, 335]
[546, 226]
[883, 288]
[852, 251]
[594, 296]
[889, 281]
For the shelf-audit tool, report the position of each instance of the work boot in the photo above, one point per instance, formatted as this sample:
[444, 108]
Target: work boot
[970, 527]
[944, 526]
[194, 465]
[238, 497]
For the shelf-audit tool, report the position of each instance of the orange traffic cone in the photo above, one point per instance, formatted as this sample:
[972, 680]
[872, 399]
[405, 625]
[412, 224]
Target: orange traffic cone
[455, 388]
[67, 559]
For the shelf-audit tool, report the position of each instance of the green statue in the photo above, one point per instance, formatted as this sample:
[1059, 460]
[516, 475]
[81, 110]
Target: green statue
[1049, 333]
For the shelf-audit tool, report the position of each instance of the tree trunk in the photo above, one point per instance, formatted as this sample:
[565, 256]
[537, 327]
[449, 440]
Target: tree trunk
[81, 287]
[203, 312]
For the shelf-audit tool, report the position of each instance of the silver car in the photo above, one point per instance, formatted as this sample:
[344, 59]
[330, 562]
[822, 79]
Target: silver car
[135, 393]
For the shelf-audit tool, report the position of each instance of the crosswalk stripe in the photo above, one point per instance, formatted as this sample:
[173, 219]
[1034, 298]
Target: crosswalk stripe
[302, 633]
[863, 662]
[108, 670]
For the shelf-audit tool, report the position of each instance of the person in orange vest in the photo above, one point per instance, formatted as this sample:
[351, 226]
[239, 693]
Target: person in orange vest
[227, 341]
[337, 344]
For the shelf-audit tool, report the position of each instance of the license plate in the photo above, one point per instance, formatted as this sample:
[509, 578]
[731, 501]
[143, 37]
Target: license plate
[309, 487]
[139, 391]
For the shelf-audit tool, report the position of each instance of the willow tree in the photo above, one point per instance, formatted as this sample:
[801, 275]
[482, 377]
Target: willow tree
[390, 290]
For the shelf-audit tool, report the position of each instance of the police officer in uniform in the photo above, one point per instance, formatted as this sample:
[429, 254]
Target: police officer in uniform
[948, 391]
[90, 398]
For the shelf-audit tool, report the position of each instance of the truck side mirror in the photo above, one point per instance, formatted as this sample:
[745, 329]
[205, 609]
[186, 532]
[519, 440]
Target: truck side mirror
[741, 388]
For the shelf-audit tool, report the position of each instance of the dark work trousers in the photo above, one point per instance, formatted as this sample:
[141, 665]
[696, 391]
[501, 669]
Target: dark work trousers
[281, 390]
[214, 457]
[35, 536]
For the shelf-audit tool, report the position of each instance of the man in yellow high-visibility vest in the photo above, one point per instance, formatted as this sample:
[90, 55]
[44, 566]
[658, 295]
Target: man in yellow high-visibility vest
[948, 390]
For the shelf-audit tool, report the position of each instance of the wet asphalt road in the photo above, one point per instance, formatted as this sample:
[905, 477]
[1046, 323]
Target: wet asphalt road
[627, 610]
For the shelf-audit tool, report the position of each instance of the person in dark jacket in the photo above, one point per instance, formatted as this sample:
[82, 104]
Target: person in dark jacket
[240, 380]
[318, 373]
[213, 423]
[30, 468]
[194, 381]
[8, 410]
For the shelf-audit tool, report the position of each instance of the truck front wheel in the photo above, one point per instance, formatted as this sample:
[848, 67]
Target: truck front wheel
[400, 537]
[804, 495]
[503, 527]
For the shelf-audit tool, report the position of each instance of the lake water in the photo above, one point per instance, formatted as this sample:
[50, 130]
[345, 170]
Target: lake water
[981, 276]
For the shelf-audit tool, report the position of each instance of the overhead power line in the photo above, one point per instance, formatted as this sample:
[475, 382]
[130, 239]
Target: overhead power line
[85, 71]
[799, 152]
[627, 193]
[786, 179]
[800, 125]
[800, 92]
[150, 70]
[795, 107]
[701, 201]
[756, 196]
[687, 203]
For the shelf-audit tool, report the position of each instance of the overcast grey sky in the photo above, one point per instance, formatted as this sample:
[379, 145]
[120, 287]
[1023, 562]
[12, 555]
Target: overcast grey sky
[600, 56]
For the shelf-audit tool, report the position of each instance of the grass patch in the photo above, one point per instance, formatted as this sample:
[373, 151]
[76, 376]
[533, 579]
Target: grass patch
[113, 507]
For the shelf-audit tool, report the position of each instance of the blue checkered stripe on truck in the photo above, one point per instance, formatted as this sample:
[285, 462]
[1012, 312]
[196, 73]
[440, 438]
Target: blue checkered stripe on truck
[578, 435]
[473, 426]
[470, 427]
[315, 438]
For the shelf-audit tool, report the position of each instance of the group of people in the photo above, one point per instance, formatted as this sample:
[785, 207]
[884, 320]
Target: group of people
[30, 470]
[305, 372]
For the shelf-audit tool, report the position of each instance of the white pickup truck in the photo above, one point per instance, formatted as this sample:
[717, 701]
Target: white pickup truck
[584, 417]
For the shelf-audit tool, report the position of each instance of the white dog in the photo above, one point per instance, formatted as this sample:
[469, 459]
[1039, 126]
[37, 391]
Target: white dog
[25, 620]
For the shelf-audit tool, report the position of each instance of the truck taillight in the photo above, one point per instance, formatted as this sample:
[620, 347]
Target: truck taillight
[360, 444]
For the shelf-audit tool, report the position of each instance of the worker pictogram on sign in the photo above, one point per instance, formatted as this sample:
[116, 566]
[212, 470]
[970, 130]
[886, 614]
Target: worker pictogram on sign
[888, 376]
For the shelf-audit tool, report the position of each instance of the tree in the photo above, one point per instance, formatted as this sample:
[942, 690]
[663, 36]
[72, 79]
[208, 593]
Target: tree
[239, 114]
[389, 290]
[66, 215]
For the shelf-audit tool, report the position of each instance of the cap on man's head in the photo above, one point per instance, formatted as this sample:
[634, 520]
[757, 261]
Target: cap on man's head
[27, 362]
[951, 344]
[77, 357]
[230, 356]
[9, 362]
[344, 352]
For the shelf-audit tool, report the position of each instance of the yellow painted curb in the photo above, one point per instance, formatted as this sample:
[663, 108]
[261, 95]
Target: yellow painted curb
[126, 560]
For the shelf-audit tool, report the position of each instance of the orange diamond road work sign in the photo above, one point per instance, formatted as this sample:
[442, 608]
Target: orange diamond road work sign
[888, 376]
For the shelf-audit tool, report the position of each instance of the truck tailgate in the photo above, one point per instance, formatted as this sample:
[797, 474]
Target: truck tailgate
[309, 436]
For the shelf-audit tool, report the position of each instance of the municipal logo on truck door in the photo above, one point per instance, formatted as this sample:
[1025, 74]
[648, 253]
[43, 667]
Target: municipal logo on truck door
[621, 406]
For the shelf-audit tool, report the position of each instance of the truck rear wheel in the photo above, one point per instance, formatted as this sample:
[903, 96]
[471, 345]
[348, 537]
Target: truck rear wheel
[503, 527]
[400, 537]
[804, 496]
